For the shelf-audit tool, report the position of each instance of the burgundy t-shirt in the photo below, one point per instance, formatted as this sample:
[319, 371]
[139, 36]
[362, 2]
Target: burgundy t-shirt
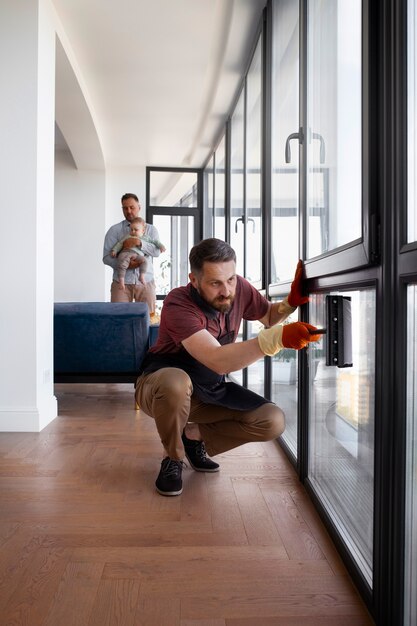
[182, 317]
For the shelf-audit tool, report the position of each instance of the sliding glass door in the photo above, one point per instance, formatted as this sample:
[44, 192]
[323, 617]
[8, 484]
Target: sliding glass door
[342, 422]
[320, 212]
[285, 197]
[336, 186]
[245, 201]
[174, 204]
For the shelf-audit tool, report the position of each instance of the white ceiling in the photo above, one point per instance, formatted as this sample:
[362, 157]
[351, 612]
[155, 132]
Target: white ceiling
[161, 75]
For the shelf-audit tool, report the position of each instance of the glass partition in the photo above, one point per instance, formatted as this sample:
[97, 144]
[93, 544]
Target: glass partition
[341, 437]
[333, 136]
[285, 389]
[253, 247]
[173, 188]
[171, 268]
[238, 375]
[236, 184]
[174, 203]
[219, 191]
[256, 371]
[209, 198]
[285, 119]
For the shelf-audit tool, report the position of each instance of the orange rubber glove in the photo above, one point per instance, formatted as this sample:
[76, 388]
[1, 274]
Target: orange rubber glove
[295, 335]
[295, 297]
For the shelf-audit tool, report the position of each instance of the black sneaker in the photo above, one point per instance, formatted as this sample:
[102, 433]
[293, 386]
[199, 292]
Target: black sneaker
[195, 451]
[169, 481]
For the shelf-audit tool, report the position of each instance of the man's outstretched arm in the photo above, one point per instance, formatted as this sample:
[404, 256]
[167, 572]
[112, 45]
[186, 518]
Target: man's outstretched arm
[235, 356]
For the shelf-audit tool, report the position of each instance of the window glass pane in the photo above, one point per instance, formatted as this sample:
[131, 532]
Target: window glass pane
[341, 437]
[253, 270]
[285, 120]
[236, 184]
[219, 206]
[410, 611]
[333, 136]
[171, 267]
[256, 373]
[209, 198]
[285, 388]
[412, 120]
[172, 188]
[238, 375]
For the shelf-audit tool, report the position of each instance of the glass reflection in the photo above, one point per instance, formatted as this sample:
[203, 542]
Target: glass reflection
[341, 437]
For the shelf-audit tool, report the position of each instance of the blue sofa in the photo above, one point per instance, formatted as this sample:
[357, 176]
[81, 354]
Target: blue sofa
[100, 341]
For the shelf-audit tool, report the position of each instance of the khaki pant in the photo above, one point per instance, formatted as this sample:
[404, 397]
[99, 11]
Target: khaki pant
[167, 396]
[138, 293]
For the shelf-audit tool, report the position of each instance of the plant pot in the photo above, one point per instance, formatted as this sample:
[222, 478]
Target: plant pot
[284, 372]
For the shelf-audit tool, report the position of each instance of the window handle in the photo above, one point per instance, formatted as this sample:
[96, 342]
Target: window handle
[239, 219]
[249, 219]
[322, 146]
[287, 146]
[299, 136]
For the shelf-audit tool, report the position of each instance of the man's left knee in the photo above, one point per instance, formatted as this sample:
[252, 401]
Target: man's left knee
[276, 422]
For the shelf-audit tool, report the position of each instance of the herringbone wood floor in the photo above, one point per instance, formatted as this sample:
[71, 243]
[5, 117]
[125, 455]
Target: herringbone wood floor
[86, 540]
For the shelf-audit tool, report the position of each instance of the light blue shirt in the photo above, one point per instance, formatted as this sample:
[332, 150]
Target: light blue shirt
[117, 232]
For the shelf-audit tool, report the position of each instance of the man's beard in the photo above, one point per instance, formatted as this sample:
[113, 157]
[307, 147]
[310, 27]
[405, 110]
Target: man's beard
[220, 303]
[224, 305]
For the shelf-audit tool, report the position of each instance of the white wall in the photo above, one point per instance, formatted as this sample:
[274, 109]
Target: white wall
[59, 212]
[87, 203]
[121, 181]
[79, 232]
[27, 76]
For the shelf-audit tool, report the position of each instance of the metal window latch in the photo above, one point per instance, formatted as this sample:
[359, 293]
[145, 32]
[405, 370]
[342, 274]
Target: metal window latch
[299, 136]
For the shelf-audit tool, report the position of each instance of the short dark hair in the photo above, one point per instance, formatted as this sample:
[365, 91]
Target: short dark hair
[210, 251]
[126, 196]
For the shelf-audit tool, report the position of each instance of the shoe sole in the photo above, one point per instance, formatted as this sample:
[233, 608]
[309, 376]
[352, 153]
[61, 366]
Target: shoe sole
[169, 493]
[200, 469]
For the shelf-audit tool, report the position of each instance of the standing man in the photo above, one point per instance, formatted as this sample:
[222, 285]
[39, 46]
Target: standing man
[183, 385]
[135, 289]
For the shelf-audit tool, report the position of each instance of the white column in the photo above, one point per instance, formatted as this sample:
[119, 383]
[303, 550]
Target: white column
[27, 113]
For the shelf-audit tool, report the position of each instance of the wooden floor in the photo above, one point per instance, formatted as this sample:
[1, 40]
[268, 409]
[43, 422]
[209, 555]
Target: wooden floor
[86, 540]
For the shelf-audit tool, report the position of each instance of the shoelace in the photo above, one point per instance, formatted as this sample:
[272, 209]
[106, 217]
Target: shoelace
[200, 450]
[172, 467]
